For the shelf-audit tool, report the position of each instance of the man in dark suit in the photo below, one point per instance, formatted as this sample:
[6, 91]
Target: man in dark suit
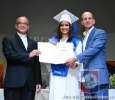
[23, 72]
[93, 58]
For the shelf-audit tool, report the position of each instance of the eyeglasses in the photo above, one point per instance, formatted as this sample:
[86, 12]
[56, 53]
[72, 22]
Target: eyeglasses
[20, 23]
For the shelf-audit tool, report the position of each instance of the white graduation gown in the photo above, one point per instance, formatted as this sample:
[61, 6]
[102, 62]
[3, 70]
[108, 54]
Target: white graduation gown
[66, 88]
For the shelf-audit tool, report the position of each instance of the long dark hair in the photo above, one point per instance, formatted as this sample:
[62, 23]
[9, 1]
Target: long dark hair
[59, 34]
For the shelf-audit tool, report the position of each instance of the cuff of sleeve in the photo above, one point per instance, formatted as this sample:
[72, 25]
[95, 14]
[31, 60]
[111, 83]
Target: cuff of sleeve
[77, 60]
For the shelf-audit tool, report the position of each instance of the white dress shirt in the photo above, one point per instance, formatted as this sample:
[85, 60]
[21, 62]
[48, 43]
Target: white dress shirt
[86, 34]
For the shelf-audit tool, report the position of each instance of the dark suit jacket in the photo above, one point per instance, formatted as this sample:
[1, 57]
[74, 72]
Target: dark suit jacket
[20, 68]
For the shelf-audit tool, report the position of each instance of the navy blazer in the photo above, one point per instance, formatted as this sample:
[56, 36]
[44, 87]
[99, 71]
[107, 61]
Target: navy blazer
[94, 55]
[20, 68]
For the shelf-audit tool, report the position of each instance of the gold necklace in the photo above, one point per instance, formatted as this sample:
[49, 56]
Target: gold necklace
[63, 39]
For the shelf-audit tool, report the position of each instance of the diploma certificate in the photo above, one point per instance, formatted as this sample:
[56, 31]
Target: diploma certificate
[55, 54]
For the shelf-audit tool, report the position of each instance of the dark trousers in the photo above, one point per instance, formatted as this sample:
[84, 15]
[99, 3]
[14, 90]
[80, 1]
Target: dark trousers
[20, 93]
[102, 93]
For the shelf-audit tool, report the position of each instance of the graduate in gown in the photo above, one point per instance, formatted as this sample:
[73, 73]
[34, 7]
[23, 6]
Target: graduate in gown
[65, 81]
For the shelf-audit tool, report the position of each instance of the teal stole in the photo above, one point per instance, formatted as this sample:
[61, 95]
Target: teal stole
[62, 69]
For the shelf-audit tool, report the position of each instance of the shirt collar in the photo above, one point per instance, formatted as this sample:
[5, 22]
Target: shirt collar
[21, 35]
[88, 32]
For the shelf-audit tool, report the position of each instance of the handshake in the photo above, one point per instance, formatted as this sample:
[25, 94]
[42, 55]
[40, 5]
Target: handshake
[71, 62]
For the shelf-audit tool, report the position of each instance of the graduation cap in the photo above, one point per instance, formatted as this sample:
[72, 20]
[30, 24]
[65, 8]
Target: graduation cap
[67, 16]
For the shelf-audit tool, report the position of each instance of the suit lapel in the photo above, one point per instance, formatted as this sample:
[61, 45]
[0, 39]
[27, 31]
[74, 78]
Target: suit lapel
[89, 38]
[82, 42]
[29, 43]
[18, 39]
